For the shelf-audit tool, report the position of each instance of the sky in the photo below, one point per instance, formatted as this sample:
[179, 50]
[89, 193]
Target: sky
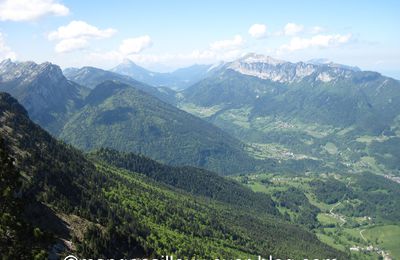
[164, 35]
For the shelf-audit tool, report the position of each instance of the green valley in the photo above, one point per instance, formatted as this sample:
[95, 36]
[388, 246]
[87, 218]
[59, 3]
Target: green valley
[357, 214]
[121, 117]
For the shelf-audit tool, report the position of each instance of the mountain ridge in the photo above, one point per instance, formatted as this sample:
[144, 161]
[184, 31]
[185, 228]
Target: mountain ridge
[91, 77]
[266, 67]
[119, 116]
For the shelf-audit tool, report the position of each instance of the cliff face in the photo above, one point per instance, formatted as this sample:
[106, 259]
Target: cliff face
[43, 90]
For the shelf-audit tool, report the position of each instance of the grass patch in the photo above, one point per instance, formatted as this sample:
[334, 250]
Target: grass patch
[258, 187]
[331, 148]
[326, 219]
[330, 241]
[388, 237]
[199, 111]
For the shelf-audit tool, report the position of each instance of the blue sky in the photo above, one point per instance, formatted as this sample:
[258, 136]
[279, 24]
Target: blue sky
[164, 35]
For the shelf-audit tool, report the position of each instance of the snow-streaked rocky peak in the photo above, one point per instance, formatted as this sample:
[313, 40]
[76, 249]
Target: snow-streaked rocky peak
[259, 58]
[266, 67]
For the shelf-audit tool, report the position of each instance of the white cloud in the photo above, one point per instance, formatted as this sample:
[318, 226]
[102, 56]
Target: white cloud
[320, 41]
[5, 50]
[76, 35]
[80, 29]
[234, 43]
[69, 45]
[291, 29]
[316, 29]
[135, 45]
[258, 31]
[27, 10]
[210, 55]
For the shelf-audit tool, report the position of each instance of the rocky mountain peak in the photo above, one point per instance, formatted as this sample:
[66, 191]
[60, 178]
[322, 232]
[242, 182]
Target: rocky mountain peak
[42, 89]
[28, 71]
[266, 67]
[5, 64]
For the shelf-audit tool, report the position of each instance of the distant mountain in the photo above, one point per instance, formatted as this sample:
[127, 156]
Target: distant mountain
[324, 93]
[131, 69]
[119, 116]
[91, 77]
[304, 109]
[178, 79]
[265, 67]
[56, 202]
[43, 90]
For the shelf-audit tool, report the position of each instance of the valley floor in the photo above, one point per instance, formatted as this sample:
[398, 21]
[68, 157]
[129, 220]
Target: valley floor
[364, 237]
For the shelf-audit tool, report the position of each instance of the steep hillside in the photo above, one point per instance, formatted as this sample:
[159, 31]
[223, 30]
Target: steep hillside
[193, 180]
[61, 195]
[76, 207]
[124, 118]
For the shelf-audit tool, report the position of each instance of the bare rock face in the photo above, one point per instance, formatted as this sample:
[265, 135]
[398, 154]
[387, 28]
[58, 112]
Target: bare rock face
[266, 67]
[42, 89]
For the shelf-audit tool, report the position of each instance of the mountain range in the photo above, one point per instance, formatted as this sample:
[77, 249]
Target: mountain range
[127, 115]
[121, 116]
[333, 112]
[274, 114]
[68, 203]
[326, 94]
[317, 140]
